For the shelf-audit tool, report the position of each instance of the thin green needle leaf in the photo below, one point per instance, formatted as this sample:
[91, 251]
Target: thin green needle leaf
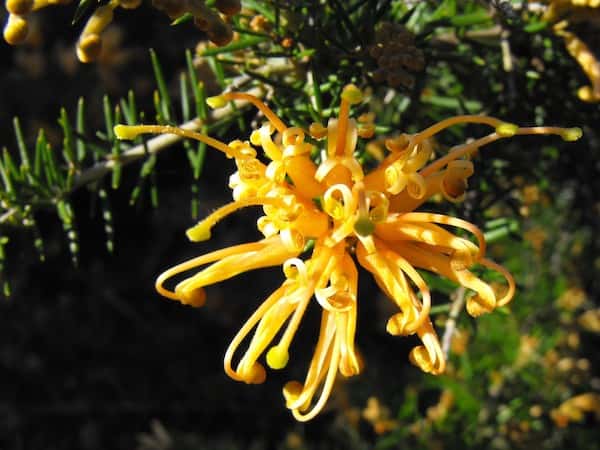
[5, 286]
[129, 108]
[316, 91]
[185, 100]
[116, 153]
[6, 179]
[50, 166]
[21, 143]
[197, 88]
[475, 18]
[160, 118]
[182, 19]
[242, 44]
[80, 128]
[165, 100]
[262, 7]
[503, 230]
[68, 147]
[10, 167]
[108, 118]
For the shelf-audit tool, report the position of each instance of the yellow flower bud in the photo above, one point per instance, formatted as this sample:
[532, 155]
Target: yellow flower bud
[19, 7]
[89, 48]
[15, 30]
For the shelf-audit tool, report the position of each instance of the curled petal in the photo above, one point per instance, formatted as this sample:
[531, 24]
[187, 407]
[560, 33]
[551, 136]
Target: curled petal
[394, 284]
[416, 186]
[322, 373]
[292, 136]
[429, 357]
[339, 202]
[270, 148]
[454, 182]
[427, 258]
[419, 157]
[510, 293]
[229, 263]
[247, 327]
[395, 178]
[417, 225]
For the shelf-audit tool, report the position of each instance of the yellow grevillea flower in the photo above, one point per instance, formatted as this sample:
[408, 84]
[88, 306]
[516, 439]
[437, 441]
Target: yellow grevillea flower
[350, 216]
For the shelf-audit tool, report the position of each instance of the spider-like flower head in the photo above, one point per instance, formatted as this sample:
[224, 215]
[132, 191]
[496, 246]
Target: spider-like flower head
[350, 217]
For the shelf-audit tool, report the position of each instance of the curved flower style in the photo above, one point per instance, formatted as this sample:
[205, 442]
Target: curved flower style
[350, 217]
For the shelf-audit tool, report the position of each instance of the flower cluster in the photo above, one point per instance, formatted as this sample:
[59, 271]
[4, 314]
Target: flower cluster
[396, 55]
[89, 44]
[349, 217]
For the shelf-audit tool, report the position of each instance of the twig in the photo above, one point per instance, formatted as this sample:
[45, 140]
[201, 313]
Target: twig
[154, 145]
[7, 215]
[457, 306]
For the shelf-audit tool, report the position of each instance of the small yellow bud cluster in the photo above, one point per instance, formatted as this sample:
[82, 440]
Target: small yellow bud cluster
[205, 18]
[396, 55]
[16, 28]
[89, 45]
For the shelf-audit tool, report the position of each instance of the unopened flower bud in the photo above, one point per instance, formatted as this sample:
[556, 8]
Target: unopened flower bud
[15, 30]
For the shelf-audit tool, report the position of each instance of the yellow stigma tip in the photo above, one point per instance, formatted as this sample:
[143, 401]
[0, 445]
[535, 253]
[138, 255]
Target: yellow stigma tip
[216, 102]
[506, 129]
[277, 357]
[571, 134]
[352, 94]
[126, 131]
[198, 233]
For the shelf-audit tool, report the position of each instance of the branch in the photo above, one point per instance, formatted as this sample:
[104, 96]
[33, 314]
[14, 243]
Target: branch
[457, 306]
[7, 215]
[154, 145]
